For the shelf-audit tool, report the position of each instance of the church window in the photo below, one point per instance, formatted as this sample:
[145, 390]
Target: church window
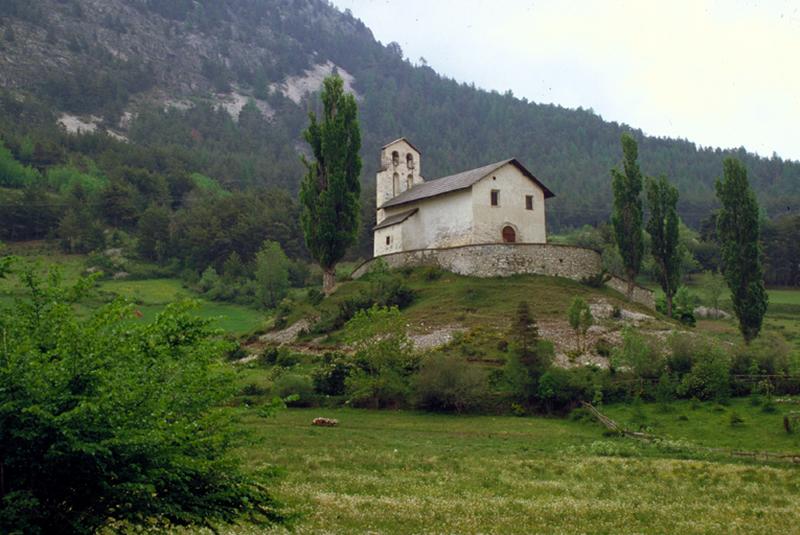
[529, 202]
[395, 184]
[395, 158]
[410, 161]
[409, 181]
[388, 240]
[509, 234]
[495, 197]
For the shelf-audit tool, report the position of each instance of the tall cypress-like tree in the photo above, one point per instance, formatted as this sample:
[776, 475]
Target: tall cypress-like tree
[627, 215]
[329, 193]
[739, 232]
[662, 201]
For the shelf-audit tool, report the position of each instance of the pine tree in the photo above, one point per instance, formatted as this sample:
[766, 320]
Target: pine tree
[627, 215]
[525, 333]
[739, 233]
[662, 200]
[329, 193]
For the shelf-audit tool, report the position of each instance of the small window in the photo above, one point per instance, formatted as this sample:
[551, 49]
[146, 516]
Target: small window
[388, 240]
[410, 161]
[395, 184]
[495, 197]
[395, 158]
[409, 181]
[529, 202]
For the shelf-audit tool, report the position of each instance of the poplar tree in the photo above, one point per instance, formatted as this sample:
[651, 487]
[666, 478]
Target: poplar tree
[662, 200]
[329, 192]
[627, 215]
[738, 232]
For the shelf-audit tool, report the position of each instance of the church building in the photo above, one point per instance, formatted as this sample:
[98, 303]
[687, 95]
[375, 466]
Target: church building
[497, 203]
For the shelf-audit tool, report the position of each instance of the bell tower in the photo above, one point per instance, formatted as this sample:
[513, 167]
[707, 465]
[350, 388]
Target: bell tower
[399, 171]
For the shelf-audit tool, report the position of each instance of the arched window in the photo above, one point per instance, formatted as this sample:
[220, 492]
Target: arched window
[410, 160]
[509, 234]
[395, 158]
[395, 184]
[409, 181]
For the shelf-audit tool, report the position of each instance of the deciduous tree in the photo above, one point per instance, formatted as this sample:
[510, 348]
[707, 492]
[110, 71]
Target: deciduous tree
[739, 231]
[663, 227]
[627, 214]
[329, 193]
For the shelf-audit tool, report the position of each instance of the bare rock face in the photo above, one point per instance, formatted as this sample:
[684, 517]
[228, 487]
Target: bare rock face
[287, 335]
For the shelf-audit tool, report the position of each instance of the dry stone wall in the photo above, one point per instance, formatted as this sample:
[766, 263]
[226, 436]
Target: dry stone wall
[506, 259]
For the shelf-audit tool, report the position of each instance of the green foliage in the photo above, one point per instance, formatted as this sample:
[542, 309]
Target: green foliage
[580, 319]
[65, 178]
[738, 228]
[709, 377]
[13, 174]
[152, 232]
[384, 358]
[330, 376]
[329, 192]
[296, 389]
[446, 383]
[113, 418]
[638, 354]
[713, 287]
[271, 274]
[663, 227]
[627, 214]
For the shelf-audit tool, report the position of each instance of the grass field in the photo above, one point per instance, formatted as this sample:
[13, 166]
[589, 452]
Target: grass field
[149, 295]
[403, 472]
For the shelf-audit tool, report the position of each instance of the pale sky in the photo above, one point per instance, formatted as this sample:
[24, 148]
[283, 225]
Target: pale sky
[718, 73]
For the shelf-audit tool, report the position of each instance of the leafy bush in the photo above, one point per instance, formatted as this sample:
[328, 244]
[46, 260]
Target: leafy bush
[299, 387]
[561, 389]
[710, 374]
[768, 354]
[447, 383]
[681, 355]
[111, 418]
[384, 359]
[638, 354]
[332, 373]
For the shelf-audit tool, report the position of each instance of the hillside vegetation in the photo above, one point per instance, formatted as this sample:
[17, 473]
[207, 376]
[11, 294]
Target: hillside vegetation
[125, 60]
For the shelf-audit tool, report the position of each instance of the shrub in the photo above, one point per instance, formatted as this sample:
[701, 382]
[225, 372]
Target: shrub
[384, 358]
[449, 384]
[597, 280]
[112, 418]
[315, 296]
[330, 376]
[735, 419]
[433, 273]
[680, 358]
[297, 386]
[710, 374]
[768, 354]
[561, 389]
[638, 354]
[268, 356]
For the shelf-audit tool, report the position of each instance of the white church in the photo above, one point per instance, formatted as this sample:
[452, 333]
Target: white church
[498, 203]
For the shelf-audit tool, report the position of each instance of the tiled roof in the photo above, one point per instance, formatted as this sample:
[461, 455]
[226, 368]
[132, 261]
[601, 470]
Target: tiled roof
[395, 219]
[457, 182]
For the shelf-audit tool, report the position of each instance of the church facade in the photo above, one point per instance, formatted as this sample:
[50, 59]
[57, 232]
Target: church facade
[501, 202]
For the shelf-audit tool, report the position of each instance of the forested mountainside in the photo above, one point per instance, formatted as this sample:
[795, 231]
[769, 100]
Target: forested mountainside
[223, 86]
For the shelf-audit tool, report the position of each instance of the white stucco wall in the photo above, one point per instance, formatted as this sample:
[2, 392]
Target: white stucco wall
[386, 188]
[512, 186]
[395, 235]
[443, 221]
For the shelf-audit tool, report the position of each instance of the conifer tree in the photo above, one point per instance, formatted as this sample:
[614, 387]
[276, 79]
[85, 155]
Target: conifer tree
[329, 193]
[739, 233]
[662, 200]
[627, 215]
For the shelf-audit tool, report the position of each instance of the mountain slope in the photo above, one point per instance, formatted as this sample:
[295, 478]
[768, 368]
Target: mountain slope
[125, 61]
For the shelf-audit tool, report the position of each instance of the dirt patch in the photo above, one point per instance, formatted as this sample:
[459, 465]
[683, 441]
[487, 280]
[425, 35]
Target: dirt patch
[287, 335]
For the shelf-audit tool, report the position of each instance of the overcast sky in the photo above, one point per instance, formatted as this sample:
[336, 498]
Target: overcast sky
[723, 74]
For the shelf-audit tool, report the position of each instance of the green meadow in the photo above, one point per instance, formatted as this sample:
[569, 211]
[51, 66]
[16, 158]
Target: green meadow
[408, 472]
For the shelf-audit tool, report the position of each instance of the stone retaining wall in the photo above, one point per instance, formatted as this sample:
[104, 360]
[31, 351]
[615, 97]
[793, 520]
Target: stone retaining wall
[505, 259]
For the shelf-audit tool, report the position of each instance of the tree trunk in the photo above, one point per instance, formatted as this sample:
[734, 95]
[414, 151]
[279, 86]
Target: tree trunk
[328, 279]
[669, 305]
[631, 285]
